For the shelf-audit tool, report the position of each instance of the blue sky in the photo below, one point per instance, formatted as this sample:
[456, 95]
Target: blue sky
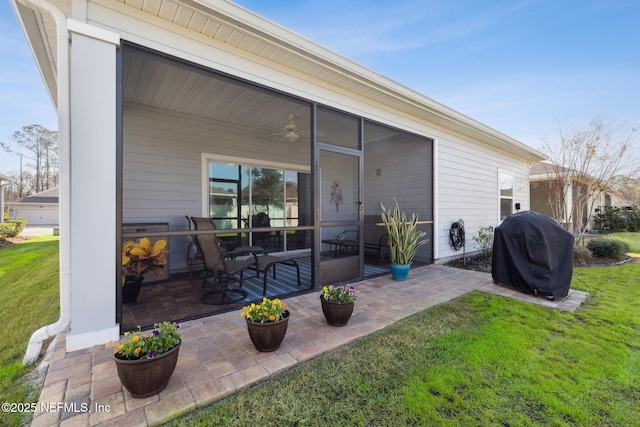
[517, 66]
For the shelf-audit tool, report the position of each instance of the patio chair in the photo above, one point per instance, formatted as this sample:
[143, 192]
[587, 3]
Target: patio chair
[223, 265]
[264, 238]
[193, 256]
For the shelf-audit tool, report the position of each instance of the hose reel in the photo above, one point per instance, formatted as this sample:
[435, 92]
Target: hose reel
[456, 235]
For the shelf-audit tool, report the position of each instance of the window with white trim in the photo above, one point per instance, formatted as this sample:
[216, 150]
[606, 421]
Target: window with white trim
[505, 194]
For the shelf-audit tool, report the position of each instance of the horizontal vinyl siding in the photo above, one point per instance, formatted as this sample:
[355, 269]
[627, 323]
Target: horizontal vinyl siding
[468, 189]
[162, 177]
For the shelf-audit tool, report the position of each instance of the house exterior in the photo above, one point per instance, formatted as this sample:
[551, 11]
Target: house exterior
[580, 200]
[39, 209]
[4, 181]
[170, 108]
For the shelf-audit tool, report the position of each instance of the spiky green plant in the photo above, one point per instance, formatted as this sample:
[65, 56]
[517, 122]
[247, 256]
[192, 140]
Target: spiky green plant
[403, 234]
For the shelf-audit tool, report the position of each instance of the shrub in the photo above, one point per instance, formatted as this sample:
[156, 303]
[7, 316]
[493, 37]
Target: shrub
[581, 254]
[11, 227]
[608, 248]
[614, 218]
[484, 240]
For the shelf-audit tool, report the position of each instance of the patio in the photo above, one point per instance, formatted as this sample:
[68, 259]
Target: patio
[178, 299]
[217, 358]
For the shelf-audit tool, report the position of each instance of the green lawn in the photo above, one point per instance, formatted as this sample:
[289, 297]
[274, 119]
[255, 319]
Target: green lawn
[29, 295]
[479, 360]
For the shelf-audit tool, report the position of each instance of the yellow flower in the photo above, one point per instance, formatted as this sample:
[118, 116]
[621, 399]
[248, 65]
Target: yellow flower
[136, 338]
[137, 350]
[272, 317]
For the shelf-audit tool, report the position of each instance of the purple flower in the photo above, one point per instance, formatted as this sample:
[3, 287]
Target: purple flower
[156, 332]
[151, 355]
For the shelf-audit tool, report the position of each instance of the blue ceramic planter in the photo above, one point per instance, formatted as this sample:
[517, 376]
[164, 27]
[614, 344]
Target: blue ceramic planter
[400, 272]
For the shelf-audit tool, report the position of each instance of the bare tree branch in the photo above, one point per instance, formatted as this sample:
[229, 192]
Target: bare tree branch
[583, 166]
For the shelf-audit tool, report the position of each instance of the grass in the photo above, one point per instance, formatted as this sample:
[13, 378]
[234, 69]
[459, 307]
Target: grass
[29, 293]
[478, 360]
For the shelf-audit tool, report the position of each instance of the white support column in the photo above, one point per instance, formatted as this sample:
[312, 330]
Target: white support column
[569, 207]
[93, 186]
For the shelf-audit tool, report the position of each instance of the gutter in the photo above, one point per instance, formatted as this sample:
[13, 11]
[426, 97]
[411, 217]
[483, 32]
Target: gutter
[35, 342]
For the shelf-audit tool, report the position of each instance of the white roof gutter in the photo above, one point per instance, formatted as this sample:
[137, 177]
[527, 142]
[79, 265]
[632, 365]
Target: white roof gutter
[63, 110]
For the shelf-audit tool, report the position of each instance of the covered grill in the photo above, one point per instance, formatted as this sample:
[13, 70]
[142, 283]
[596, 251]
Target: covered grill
[534, 254]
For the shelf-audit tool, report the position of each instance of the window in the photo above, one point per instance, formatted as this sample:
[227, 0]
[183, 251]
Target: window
[506, 194]
[253, 196]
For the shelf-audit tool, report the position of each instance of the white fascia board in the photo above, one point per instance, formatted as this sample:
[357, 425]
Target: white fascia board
[93, 32]
[296, 43]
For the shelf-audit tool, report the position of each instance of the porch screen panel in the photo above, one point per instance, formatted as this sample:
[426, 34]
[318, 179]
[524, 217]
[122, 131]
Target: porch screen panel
[398, 166]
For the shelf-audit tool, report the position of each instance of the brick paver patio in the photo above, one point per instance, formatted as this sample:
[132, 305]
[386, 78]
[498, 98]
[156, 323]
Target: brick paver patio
[217, 358]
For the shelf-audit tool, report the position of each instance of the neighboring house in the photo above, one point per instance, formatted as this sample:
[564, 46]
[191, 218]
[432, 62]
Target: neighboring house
[4, 181]
[579, 199]
[170, 108]
[39, 209]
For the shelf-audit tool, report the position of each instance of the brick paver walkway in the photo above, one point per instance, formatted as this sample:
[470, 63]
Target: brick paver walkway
[217, 358]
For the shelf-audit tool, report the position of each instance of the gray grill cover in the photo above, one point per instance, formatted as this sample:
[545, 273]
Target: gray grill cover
[534, 254]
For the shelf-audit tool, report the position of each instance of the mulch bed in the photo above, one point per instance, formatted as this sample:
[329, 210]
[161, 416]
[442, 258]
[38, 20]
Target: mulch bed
[10, 241]
[480, 263]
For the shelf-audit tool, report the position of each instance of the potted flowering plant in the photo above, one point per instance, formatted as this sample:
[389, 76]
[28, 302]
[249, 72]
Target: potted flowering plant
[337, 303]
[146, 362]
[267, 323]
[137, 260]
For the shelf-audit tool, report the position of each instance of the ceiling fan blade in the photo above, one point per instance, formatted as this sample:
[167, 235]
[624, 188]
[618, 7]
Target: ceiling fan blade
[276, 134]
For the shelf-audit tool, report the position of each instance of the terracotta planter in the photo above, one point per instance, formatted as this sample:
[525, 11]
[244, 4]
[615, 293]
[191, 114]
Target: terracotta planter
[337, 313]
[268, 336]
[146, 377]
[131, 289]
[400, 272]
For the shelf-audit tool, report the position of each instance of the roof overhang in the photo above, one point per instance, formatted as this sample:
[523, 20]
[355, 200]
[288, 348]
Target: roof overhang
[5, 178]
[254, 36]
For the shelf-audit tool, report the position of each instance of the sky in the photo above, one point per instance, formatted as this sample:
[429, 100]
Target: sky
[521, 67]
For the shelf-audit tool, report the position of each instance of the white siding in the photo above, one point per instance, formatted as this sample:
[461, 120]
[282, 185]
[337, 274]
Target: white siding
[162, 167]
[468, 189]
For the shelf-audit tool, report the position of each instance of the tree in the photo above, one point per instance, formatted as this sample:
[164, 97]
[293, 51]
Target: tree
[630, 187]
[583, 165]
[42, 147]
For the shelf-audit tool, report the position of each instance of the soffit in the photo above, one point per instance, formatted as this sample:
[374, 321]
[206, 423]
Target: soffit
[241, 29]
[227, 23]
[41, 31]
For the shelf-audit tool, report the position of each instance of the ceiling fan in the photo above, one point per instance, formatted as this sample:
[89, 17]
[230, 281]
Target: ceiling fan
[290, 132]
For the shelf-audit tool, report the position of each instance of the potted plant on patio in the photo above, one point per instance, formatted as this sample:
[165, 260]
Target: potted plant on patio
[146, 362]
[137, 260]
[267, 323]
[337, 303]
[403, 239]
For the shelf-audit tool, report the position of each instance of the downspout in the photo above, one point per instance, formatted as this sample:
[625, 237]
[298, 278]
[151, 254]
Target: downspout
[63, 110]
